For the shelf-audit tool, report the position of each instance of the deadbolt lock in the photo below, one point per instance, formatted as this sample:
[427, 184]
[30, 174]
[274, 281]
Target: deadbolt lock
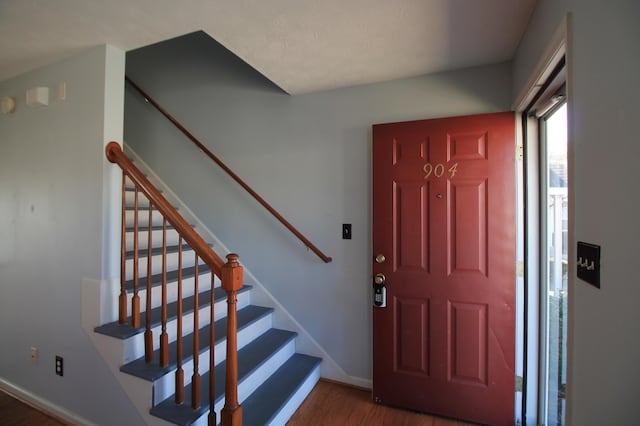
[380, 258]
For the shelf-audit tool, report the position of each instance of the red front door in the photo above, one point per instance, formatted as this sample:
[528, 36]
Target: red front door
[444, 222]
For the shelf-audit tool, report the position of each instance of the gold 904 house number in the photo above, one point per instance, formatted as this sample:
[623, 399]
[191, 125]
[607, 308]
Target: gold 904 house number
[438, 170]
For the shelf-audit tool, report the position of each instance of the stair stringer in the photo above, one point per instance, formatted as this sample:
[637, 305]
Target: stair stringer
[282, 318]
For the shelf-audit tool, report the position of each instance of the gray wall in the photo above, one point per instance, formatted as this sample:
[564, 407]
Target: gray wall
[51, 229]
[308, 155]
[604, 325]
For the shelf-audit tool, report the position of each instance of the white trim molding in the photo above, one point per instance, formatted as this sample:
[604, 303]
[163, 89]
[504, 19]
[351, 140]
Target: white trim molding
[555, 50]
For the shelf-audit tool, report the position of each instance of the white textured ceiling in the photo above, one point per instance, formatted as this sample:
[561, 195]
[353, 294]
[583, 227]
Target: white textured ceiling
[301, 45]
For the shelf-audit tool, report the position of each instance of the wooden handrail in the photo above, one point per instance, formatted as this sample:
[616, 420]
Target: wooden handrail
[200, 246]
[230, 172]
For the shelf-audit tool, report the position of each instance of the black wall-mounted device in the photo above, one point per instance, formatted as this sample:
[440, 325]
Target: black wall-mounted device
[588, 268]
[346, 231]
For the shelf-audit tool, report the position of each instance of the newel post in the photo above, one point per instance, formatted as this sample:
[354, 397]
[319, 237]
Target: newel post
[231, 282]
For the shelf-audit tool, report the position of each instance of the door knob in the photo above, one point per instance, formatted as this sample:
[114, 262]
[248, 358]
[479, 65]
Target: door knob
[379, 279]
[380, 258]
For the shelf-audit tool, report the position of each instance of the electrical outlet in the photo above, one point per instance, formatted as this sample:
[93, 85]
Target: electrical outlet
[59, 366]
[34, 355]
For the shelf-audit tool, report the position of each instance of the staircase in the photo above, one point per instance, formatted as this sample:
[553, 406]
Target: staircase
[273, 379]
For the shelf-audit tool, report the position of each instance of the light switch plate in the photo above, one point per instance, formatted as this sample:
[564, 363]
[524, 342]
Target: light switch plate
[588, 267]
[346, 231]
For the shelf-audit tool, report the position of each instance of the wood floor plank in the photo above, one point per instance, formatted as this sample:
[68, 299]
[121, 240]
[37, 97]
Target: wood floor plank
[331, 404]
[14, 412]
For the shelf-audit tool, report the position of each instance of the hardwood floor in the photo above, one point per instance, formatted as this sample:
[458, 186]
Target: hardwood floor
[16, 413]
[328, 404]
[336, 405]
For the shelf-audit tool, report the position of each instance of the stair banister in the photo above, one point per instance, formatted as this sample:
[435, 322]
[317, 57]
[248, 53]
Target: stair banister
[164, 336]
[231, 283]
[148, 333]
[230, 172]
[122, 299]
[212, 420]
[195, 377]
[199, 245]
[230, 274]
[135, 301]
[179, 371]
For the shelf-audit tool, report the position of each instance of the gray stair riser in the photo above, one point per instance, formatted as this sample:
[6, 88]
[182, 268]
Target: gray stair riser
[164, 387]
[134, 346]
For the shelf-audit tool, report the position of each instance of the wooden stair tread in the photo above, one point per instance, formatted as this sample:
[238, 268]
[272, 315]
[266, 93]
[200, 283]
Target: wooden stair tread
[267, 401]
[156, 280]
[250, 358]
[124, 331]
[152, 371]
[157, 251]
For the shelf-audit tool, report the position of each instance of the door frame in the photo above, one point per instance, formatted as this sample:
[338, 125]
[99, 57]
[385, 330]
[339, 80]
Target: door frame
[532, 314]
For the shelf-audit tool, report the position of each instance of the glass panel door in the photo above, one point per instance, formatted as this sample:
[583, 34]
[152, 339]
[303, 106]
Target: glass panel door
[555, 263]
